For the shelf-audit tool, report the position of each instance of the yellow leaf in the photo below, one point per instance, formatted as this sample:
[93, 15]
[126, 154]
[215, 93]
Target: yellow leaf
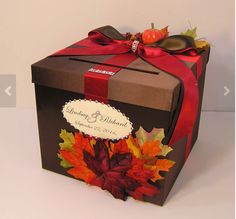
[192, 32]
[165, 149]
[92, 142]
[201, 43]
[156, 134]
[135, 149]
[68, 140]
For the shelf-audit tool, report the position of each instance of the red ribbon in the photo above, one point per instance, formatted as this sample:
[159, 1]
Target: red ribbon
[100, 44]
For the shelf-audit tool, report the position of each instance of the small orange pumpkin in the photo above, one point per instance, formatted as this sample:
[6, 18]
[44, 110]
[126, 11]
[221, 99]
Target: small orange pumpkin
[152, 35]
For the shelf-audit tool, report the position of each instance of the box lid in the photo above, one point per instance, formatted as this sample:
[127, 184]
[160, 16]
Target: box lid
[139, 83]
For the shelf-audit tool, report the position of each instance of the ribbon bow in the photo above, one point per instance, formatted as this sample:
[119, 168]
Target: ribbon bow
[107, 40]
[114, 40]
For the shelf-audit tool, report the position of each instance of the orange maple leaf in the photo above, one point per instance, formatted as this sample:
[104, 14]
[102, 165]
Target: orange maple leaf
[164, 164]
[82, 172]
[161, 165]
[74, 158]
[82, 143]
[151, 149]
[156, 176]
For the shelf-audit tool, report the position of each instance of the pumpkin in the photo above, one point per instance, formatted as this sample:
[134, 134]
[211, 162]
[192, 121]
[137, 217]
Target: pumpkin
[153, 35]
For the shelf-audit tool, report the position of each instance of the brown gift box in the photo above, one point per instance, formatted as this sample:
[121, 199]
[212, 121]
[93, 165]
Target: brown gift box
[148, 96]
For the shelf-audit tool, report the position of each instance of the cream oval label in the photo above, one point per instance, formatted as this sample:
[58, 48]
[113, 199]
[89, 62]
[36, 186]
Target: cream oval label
[97, 119]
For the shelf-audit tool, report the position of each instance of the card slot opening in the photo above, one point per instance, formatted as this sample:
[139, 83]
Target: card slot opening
[118, 66]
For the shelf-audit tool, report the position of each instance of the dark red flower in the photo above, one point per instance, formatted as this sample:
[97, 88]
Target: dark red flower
[111, 172]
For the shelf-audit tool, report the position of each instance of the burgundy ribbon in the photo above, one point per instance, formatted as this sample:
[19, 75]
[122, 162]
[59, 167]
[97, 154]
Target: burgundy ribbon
[98, 43]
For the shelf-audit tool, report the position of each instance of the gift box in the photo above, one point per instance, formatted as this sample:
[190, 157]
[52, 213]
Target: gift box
[120, 114]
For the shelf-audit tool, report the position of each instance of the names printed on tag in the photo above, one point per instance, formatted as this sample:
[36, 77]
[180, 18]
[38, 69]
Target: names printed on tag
[97, 119]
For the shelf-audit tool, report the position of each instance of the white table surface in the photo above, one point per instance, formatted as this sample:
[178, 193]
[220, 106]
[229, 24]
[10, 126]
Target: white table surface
[204, 188]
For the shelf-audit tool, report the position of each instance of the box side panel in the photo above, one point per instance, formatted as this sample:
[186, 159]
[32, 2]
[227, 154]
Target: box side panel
[201, 82]
[177, 155]
[50, 121]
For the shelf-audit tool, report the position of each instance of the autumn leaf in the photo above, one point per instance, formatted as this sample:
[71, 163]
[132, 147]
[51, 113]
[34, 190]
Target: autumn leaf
[201, 43]
[151, 148]
[82, 143]
[155, 135]
[165, 31]
[120, 147]
[64, 163]
[73, 158]
[164, 164]
[68, 139]
[110, 172]
[141, 135]
[123, 167]
[92, 141]
[156, 176]
[139, 170]
[161, 165]
[83, 173]
[134, 148]
[165, 149]
[192, 32]
[144, 189]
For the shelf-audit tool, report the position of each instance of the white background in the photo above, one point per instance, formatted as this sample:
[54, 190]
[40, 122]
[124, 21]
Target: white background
[31, 30]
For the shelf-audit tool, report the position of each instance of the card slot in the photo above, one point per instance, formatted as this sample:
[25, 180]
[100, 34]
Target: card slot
[118, 66]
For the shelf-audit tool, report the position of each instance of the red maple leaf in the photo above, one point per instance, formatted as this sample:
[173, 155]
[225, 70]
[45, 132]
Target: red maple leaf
[111, 172]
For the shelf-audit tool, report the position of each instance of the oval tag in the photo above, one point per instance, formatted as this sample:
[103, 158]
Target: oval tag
[97, 119]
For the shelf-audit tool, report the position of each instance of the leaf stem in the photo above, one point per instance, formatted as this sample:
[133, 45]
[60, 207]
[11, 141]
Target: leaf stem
[152, 25]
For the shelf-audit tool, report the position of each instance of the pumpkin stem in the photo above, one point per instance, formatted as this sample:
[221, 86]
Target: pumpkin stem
[152, 25]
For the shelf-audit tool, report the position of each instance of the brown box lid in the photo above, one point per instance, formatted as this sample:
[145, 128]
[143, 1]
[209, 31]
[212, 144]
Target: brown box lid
[141, 84]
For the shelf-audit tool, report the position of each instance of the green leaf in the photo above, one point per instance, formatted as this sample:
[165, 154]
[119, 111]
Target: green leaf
[68, 139]
[192, 32]
[64, 163]
[165, 149]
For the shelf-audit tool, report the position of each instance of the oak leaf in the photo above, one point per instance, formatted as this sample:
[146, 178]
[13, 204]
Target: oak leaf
[64, 163]
[68, 140]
